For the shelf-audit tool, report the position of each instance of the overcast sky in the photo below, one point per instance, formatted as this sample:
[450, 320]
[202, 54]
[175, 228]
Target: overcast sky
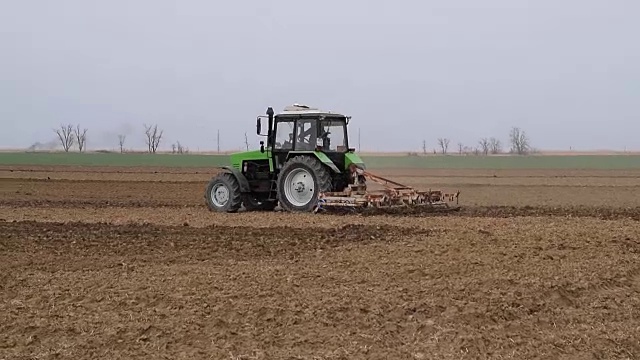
[566, 71]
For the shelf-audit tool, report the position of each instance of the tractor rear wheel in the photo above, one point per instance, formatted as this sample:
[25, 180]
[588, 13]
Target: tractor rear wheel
[300, 181]
[222, 194]
[252, 203]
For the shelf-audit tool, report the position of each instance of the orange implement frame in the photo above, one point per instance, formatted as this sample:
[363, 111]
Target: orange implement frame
[393, 194]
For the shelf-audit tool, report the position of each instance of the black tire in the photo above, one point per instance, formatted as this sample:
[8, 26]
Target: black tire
[251, 203]
[234, 200]
[321, 182]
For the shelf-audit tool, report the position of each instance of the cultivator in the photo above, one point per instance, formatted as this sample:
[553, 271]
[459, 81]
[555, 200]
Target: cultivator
[392, 195]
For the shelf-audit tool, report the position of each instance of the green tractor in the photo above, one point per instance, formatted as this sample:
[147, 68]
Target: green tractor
[306, 154]
[306, 165]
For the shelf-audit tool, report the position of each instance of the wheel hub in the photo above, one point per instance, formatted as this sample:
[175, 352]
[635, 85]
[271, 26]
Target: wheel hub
[219, 195]
[299, 187]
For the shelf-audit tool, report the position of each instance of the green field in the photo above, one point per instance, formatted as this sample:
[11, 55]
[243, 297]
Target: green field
[429, 162]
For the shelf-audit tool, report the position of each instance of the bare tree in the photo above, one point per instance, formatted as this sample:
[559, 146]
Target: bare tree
[495, 146]
[444, 144]
[153, 137]
[177, 148]
[460, 148]
[484, 145]
[424, 147]
[246, 141]
[121, 139]
[519, 141]
[65, 134]
[81, 137]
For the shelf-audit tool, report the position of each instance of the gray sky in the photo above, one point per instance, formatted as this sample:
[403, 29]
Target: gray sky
[566, 71]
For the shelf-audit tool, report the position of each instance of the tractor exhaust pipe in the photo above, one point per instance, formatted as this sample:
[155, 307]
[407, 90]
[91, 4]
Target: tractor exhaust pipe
[269, 134]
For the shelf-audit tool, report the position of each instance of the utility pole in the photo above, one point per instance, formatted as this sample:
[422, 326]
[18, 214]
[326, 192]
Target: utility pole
[218, 141]
[246, 141]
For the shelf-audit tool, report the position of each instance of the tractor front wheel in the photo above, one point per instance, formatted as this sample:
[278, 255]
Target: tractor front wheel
[222, 194]
[300, 182]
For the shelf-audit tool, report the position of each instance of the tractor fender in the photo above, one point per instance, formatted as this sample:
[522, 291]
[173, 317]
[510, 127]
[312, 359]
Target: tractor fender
[319, 155]
[242, 180]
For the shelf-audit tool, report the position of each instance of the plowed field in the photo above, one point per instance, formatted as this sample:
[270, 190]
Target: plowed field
[108, 263]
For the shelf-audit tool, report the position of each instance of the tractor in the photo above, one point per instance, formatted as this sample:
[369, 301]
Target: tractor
[306, 165]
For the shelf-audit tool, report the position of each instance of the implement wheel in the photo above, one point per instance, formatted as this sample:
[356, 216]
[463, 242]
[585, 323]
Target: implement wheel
[222, 194]
[300, 181]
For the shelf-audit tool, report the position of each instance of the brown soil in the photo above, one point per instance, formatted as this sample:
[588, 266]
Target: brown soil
[139, 268]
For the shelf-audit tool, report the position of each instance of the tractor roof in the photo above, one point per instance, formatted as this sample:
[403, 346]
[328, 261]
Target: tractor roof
[298, 109]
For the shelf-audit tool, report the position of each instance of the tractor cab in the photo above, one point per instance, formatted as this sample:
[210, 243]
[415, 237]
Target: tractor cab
[302, 128]
[306, 132]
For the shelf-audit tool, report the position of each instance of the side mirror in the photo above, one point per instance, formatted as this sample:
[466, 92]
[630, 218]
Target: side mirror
[262, 146]
[258, 126]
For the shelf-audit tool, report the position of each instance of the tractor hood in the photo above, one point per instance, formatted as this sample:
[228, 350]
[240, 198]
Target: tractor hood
[237, 158]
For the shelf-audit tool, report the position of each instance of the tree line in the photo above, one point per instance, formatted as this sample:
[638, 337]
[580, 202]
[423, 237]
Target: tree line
[68, 136]
[519, 144]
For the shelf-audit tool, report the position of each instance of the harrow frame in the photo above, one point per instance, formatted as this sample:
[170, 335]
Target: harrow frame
[394, 195]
